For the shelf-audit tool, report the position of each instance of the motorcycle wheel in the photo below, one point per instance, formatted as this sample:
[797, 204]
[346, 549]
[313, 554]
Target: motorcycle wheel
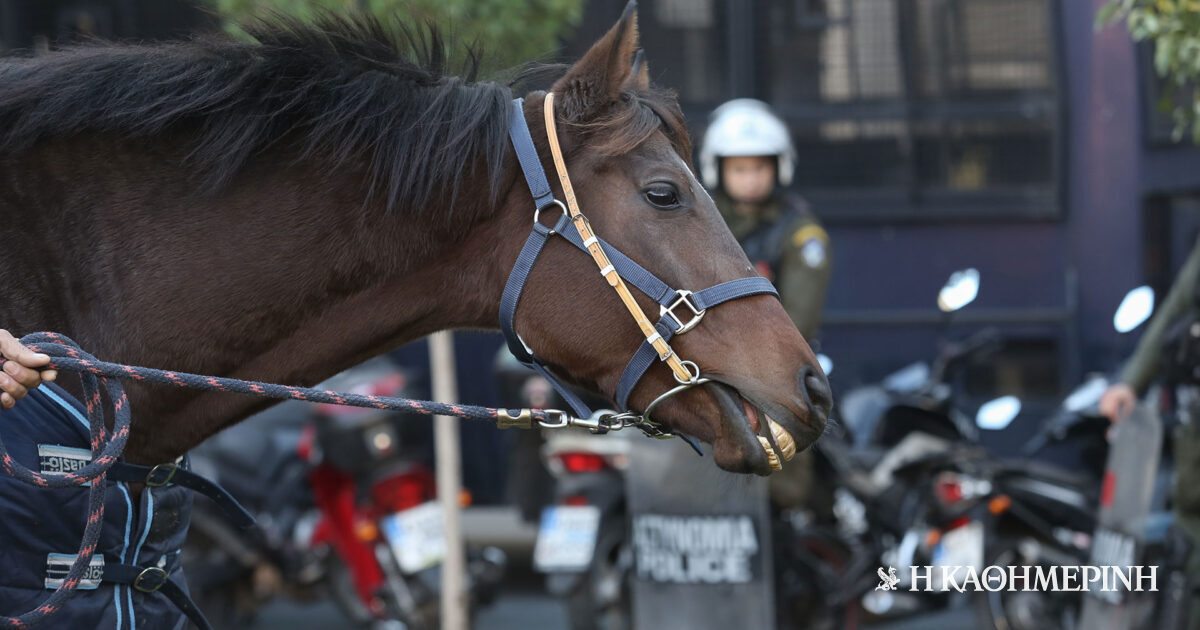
[342, 592]
[221, 599]
[602, 601]
[419, 614]
[220, 607]
[803, 574]
[1024, 610]
[217, 583]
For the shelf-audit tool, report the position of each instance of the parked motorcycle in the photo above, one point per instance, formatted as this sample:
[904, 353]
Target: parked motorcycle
[345, 505]
[1042, 509]
[583, 543]
[878, 472]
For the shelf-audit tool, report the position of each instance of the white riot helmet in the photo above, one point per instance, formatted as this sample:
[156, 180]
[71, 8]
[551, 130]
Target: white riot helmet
[745, 126]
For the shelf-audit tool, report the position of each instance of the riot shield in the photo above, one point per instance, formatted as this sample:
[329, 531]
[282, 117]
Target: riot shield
[701, 541]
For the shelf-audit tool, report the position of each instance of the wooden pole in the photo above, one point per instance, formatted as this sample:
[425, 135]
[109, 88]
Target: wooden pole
[449, 483]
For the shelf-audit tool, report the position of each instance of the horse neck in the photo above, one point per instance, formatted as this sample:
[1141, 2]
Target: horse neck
[285, 277]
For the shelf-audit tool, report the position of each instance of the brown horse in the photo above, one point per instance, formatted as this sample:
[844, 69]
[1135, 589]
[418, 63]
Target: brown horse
[282, 210]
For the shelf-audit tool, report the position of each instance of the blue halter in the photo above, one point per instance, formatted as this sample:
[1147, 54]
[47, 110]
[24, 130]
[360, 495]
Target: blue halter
[679, 310]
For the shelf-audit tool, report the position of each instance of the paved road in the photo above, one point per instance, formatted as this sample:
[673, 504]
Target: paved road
[516, 611]
[528, 610]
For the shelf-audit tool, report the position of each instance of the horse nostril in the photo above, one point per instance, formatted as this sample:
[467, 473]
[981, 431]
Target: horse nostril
[818, 391]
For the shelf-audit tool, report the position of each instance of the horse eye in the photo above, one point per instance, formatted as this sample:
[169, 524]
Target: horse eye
[663, 197]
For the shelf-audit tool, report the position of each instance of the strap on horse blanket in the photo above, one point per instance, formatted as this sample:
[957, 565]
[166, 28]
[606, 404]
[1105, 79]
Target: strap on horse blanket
[147, 580]
[172, 474]
[140, 538]
[154, 580]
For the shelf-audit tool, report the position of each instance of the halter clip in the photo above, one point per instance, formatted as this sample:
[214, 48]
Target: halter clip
[561, 419]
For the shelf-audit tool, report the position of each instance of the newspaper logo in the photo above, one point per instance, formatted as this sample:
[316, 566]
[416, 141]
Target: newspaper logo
[1103, 580]
[888, 581]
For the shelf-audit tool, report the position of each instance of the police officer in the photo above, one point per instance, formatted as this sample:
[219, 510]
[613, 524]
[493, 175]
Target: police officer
[1170, 349]
[746, 158]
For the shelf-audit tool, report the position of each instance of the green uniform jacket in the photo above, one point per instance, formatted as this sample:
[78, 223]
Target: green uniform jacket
[786, 243]
[788, 246]
[1145, 363]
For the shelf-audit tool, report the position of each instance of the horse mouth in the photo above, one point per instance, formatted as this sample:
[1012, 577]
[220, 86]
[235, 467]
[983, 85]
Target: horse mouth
[741, 443]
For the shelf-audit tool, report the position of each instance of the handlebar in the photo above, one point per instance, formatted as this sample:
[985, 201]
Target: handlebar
[984, 342]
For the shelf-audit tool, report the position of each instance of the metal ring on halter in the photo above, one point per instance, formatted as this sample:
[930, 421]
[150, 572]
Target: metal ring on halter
[693, 371]
[645, 418]
[537, 212]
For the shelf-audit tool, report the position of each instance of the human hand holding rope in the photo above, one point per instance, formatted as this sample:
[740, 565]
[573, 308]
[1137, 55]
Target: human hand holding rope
[19, 373]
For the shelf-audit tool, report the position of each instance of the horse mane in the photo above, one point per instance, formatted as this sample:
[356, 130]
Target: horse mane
[344, 86]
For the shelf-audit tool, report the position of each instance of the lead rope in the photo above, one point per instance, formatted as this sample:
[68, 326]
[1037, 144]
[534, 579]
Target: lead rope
[66, 355]
[105, 452]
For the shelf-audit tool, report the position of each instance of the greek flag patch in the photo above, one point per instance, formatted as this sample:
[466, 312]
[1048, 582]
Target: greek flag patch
[59, 564]
[53, 458]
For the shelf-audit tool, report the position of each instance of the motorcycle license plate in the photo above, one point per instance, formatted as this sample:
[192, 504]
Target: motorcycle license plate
[417, 536]
[961, 547]
[566, 538]
[1113, 548]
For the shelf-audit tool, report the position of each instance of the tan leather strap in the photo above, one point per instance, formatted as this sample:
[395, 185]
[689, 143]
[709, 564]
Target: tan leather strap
[584, 227]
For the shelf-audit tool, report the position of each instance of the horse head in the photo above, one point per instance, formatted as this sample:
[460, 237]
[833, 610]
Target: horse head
[628, 155]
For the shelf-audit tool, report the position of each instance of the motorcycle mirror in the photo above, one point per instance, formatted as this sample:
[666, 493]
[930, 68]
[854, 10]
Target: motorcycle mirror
[1086, 395]
[910, 378]
[960, 290]
[826, 364]
[1134, 309]
[998, 413]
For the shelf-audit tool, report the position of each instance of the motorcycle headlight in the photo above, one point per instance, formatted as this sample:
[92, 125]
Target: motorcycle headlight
[381, 440]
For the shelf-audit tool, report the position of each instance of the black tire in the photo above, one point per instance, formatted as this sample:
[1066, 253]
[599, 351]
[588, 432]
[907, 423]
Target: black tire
[590, 609]
[221, 608]
[216, 582]
[807, 565]
[341, 590]
[1023, 610]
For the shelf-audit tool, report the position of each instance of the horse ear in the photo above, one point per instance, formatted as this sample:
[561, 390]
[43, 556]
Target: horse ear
[639, 76]
[595, 81]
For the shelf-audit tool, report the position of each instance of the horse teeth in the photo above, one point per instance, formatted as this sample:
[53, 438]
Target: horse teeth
[772, 456]
[787, 445]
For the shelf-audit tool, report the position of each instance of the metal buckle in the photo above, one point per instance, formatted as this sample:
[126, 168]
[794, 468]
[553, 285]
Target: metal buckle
[505, 420]
[696, 316]
[152, 482]
[537, 212]
[150, 573]
[582, 217]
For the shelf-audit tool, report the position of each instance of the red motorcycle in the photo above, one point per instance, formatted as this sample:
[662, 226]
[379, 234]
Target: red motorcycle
[346, 505]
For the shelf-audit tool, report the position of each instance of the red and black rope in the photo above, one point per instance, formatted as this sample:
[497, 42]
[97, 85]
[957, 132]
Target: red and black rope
[66, 355]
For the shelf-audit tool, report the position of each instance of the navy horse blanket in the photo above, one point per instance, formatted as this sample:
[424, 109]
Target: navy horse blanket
[41, 528]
